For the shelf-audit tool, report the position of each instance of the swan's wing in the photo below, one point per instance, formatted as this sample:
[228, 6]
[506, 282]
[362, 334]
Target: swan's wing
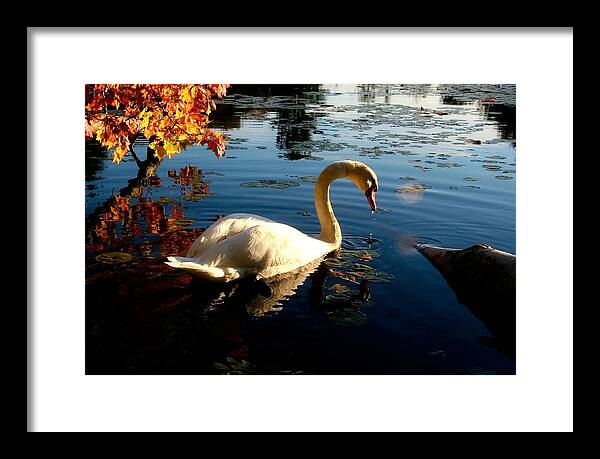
[267, 249]
[224, 228]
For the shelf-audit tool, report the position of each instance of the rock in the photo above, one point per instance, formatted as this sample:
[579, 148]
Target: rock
[484, 280]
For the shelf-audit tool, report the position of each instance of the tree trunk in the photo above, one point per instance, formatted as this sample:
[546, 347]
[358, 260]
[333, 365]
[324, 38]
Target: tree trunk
[135, 186]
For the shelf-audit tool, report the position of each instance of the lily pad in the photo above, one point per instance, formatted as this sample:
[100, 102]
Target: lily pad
[285, 184]
[504, 177]
[361, 254]
[334, 262]
[361, 267]
[258, 184]
[448, 165]
[379, 277]
[271, 184]
[365, 256]
[421, 186]
[339, 288]
[360, 270]
[197, 195]
[471, 179]
[438, 353]
[233, 367]
[337, 298]
[346, 276]
[348, 317]
[114, 258]
[220, 366]
[492, 167]
[414, 188]
[184, 222]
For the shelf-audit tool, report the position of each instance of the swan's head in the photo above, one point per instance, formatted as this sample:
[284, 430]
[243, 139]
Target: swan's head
[360, 174]
[365, 179]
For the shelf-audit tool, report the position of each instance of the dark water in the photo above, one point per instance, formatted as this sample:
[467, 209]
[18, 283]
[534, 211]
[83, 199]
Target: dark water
[375, 307]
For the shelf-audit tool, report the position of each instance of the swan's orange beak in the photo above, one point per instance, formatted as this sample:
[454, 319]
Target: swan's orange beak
[370, 194]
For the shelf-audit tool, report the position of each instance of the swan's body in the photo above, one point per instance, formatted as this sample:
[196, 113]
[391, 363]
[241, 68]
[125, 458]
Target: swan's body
[241, 245]
[244, 244]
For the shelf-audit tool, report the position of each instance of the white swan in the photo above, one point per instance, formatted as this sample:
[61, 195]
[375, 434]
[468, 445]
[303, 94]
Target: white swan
[240, 245]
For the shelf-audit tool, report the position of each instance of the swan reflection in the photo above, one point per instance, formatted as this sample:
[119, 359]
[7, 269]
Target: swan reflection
[258, 298]
[265, 296]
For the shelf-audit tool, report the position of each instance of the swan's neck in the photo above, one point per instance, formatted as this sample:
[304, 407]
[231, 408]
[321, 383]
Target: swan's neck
[330, 228]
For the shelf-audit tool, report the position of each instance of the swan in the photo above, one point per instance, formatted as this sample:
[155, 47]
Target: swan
[240, 245]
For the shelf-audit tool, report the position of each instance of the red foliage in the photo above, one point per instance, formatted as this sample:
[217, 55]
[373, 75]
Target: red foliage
[172, 116]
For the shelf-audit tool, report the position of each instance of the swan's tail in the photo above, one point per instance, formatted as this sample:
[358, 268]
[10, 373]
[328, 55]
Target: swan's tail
[210, 272]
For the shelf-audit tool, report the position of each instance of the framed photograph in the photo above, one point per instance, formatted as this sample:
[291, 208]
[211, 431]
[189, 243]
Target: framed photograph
[305, 243]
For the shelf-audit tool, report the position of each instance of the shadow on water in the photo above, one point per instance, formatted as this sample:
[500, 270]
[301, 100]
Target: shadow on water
[496, 310]
[176, 324]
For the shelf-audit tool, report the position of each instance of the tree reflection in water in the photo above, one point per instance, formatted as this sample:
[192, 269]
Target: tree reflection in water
[124, 220]
[293, 123]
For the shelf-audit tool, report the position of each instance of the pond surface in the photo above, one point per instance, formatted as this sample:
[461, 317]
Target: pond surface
[445, 159]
